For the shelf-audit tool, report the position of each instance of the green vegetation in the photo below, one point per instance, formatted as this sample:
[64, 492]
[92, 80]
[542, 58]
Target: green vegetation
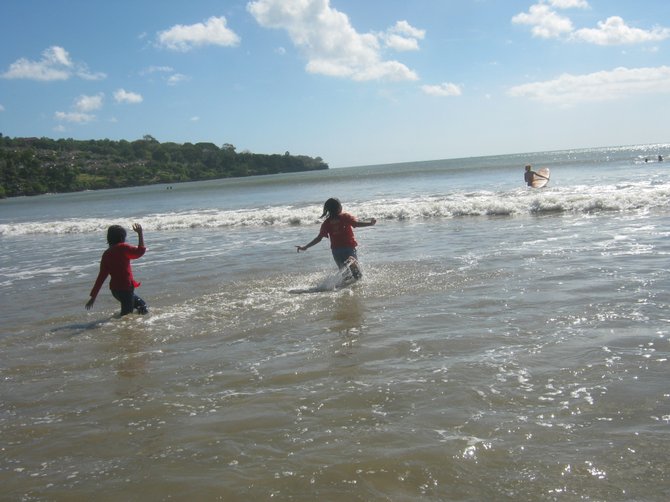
[33, 166]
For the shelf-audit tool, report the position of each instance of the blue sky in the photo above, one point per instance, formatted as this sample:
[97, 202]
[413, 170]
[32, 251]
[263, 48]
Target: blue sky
[355, 82]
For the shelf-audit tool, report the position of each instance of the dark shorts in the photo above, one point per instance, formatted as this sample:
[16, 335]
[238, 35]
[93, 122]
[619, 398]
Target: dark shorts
[340, 255]
[129, 301]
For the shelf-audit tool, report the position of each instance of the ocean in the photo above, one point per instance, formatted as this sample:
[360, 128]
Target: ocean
[504, 343]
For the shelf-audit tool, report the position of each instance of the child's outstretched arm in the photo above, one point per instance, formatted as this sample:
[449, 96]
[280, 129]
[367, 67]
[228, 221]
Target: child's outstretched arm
[370, 223]
[140, 234]
[314, 241]
[102, 275]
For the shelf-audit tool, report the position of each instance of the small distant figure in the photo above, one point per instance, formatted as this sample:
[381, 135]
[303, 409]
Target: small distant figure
[115, 262]
[338, 227]
[529, 175]
[660, 158]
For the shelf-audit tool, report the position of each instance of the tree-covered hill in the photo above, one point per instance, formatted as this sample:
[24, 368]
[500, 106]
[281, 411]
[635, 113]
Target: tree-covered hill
[32, 166]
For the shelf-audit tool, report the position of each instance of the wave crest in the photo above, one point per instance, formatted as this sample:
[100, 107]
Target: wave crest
[575, 199]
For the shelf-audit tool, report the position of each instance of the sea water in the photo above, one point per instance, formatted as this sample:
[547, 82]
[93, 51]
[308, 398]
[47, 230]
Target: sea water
[505, 343]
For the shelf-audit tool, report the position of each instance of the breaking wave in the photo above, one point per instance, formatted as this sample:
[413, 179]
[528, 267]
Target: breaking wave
[575, 199]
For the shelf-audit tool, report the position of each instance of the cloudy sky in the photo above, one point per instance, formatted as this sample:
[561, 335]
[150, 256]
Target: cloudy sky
[355, 82]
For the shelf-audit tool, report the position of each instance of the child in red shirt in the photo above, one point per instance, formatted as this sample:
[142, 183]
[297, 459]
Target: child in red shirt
[115, 262]
[338, 227]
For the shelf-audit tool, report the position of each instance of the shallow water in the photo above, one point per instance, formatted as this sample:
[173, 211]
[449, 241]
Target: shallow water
[504, 344]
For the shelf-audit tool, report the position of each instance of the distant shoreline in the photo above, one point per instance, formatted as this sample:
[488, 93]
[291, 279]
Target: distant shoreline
[36, 166]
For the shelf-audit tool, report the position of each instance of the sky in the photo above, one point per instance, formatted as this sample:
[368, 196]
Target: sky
[355, 82]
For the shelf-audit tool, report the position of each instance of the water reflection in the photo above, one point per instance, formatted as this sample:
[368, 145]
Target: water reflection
[133, 355]
[348, 316]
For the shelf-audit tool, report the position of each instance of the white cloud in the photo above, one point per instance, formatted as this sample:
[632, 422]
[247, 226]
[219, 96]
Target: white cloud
[75, 117]
[614, 31]
[599, 86]
[186, 37]
[399, 43]
[123, 96]
[57, 55]
[167, 73]
[444, 89]
[89, 103]
[157, 69]
[329, 41]
[82, 106]
[55, 64]
[404, 28]
[403, 37]
[545, 22]
[177, 78]
[83, 72]
[569, 4]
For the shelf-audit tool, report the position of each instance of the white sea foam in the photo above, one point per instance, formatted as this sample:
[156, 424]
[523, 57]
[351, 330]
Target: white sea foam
[575, 199]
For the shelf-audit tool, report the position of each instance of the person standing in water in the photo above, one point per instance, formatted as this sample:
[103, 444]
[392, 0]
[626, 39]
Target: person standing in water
[115, 262]
[529, 175]
[338, 227]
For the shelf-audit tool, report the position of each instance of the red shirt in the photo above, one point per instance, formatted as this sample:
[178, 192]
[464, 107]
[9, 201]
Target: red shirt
[339, 230]
[115, 262]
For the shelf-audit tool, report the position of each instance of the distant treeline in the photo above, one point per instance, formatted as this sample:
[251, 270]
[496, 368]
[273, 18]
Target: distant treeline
[33, 166]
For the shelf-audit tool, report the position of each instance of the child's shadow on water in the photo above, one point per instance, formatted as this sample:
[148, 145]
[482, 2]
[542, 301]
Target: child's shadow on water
[81, 327]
